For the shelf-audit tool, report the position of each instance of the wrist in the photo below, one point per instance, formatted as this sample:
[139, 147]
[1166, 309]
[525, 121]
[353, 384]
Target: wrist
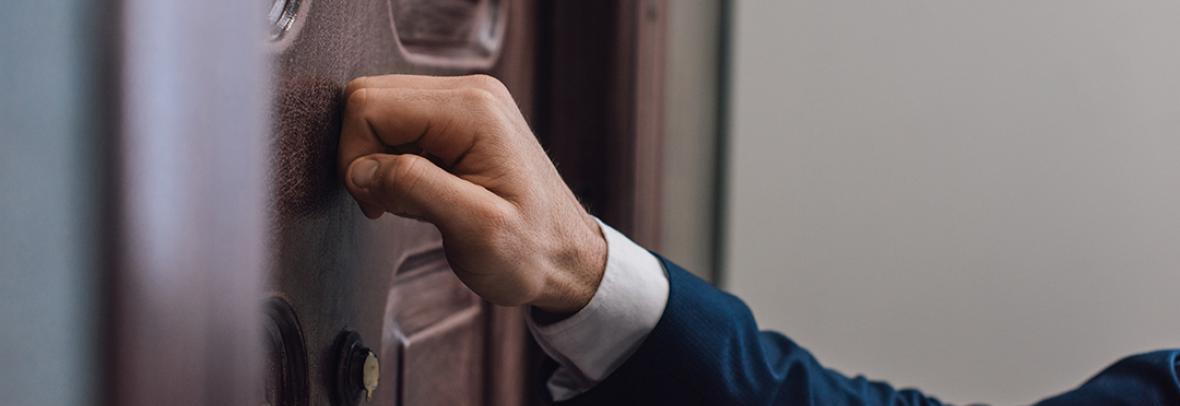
[579, 270]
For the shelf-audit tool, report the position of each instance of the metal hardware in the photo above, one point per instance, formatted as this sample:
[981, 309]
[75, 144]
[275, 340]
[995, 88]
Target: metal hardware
[286, 357]
[357, 370]
[281, 15]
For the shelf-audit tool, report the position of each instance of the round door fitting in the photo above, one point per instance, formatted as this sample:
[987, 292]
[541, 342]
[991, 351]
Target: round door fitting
[286, 356]
[357, 370]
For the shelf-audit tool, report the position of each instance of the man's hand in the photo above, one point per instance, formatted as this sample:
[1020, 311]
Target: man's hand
[513, 231]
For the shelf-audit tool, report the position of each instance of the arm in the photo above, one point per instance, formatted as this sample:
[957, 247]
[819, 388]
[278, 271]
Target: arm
[516, 235]
[707, 350]
[1145, 379]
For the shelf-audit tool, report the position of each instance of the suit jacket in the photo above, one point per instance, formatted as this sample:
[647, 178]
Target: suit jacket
[707, 350]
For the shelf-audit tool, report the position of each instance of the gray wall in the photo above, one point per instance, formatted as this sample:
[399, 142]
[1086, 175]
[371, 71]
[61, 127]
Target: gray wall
[48, 202]
[979, 198]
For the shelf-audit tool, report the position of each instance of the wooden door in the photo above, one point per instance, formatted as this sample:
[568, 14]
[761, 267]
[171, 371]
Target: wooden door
[341, 284]
[212, 216]
[586, 76]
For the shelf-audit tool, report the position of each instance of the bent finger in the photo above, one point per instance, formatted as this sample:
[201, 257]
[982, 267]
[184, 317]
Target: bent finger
[443, 123]
[413, 186]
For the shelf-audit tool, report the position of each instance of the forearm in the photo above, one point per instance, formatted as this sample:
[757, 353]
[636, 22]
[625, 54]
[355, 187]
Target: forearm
[703, 347]
[516, 235]
[707, 349]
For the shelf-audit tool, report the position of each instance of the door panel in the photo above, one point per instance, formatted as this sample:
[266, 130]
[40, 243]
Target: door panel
[583, 74]
[387, 280]
[200, 200]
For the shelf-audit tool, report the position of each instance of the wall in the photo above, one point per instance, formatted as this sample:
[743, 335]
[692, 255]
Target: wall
[48, 202]
[979, 198]
[690, 134]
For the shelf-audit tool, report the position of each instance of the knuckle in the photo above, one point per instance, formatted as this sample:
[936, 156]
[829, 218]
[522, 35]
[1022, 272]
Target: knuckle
[497, 217]
[357, 100]
[489, 83]
[500, 225]
[403, 172]
[355, 84]
[478, 99]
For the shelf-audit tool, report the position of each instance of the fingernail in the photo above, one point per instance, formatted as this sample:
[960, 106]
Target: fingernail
[364, 171]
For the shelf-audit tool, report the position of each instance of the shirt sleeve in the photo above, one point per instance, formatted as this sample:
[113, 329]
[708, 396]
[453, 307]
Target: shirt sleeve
[596, 340]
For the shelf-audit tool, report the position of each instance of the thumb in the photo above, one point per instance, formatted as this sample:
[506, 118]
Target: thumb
[409, 185]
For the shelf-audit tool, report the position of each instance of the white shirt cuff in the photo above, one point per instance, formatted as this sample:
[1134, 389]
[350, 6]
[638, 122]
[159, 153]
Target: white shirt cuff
[596, 340]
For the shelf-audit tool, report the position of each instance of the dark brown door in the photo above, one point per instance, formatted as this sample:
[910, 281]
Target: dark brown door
[585, 73]
[350, 283]
[209, 216]
[588, 77]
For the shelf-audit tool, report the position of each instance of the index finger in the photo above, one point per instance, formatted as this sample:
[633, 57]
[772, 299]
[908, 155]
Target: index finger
[445, 123]
[484, 82]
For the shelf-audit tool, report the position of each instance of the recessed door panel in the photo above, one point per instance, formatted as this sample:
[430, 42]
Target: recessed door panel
[385, 280]
[196, 203]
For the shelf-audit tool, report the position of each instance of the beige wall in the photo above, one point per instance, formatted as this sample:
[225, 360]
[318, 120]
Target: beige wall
[979, 198]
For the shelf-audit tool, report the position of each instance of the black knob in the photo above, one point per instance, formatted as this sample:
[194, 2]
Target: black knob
[357, 370]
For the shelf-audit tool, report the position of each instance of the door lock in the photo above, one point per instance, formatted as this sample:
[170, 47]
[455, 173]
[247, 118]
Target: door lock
[357, 369]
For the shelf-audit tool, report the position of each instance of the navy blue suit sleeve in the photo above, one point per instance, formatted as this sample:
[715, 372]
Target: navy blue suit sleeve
[1145, 379]
[707, 350]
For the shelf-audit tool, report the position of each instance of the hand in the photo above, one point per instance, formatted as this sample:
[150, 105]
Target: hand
[513, 231]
